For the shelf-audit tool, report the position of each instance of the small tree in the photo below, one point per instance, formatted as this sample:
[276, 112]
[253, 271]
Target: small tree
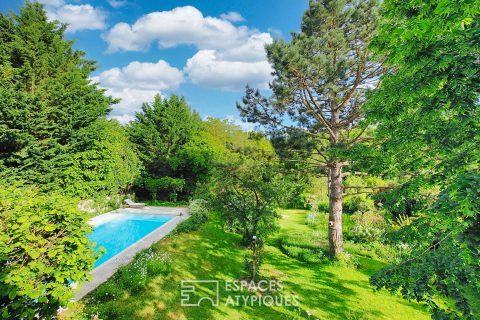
[247, 195]
[320, 80]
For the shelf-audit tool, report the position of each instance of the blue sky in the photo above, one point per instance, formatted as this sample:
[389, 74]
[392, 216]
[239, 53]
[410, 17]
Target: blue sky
[205, 50]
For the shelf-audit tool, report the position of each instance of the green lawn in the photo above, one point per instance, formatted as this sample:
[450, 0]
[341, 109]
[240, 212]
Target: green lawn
[326, 291]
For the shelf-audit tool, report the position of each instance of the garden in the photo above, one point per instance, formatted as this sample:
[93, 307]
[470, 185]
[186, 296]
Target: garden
[351, 190]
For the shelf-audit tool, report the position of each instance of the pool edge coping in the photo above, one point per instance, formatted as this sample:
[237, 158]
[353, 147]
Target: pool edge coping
[107, 269]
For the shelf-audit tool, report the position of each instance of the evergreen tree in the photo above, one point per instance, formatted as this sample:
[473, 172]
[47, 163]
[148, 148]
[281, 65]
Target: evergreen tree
[50, 110]
[320, 80]
[165, 134]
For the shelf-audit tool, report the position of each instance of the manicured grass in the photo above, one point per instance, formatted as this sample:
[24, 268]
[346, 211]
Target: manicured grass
[325, 291]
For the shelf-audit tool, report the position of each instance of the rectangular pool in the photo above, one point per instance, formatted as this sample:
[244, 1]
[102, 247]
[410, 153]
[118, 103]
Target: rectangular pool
[123, 230]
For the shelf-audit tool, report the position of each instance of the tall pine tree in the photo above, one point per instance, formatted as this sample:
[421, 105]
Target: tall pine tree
[320, 80]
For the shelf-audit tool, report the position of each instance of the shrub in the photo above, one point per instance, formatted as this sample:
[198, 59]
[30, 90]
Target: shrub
[199, 210]
[43, 247]
[347, 260]
[164, 184]
[361, 233]
[354, 204]
[199, 216]
[369, 226]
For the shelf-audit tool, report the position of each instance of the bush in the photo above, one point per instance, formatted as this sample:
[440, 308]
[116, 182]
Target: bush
[199, 216]
[361, 233]
[353, 204]
[43, 248]
[169, 185]
[347, 260]
[199, 210]
[368, 227]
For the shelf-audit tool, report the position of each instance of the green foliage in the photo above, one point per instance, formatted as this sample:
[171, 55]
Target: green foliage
[248, 193]
[368, 227]
[107, 291]
[43, 248]
[321, 76]
[53, 131]
[426, 114]
[303, 248]
[199, 212]
[164, 184]
[147, 264]
[110, 165]
[166, 134]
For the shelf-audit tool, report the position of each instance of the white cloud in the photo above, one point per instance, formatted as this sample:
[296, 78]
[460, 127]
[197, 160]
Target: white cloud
[142, 75]
[136, 83]
[206, 69]
[229, 57]
[78, 17]
[232, 16]
[117, 3]
[131, 102]
[251, 50]
[182, 25]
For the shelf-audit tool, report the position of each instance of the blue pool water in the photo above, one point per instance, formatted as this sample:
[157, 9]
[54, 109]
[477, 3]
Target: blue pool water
[123, 231]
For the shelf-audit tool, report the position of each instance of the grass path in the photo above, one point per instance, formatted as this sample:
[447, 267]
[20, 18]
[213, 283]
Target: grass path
[327, 292]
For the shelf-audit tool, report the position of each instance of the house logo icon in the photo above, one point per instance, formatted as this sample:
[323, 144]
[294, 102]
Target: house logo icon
[196, 292]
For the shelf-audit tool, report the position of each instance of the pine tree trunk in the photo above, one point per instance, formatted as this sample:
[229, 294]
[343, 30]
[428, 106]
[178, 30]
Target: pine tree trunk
[335, 230]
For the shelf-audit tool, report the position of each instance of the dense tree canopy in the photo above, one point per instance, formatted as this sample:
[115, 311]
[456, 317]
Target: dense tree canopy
[51, 115]
[427, 117]
[166, 136]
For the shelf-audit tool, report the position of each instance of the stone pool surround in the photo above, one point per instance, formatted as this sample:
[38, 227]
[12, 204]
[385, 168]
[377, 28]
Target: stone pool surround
[101, 273]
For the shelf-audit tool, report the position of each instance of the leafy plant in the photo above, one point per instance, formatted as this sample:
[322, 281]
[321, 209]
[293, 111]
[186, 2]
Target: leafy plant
[43, 249]
[426, 115]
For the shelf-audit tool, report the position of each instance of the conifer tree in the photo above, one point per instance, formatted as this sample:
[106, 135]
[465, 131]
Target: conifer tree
[50, 111]
[320, 80]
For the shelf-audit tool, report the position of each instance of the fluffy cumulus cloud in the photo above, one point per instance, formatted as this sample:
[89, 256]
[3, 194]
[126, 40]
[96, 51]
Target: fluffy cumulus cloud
[137, 83]
[78, 17]
[131, 102]
[229, 56]
[146, 75]
[182, 25]
[205, 68]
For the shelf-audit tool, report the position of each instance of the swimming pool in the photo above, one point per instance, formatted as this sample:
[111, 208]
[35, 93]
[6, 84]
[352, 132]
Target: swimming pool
[123, 230]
